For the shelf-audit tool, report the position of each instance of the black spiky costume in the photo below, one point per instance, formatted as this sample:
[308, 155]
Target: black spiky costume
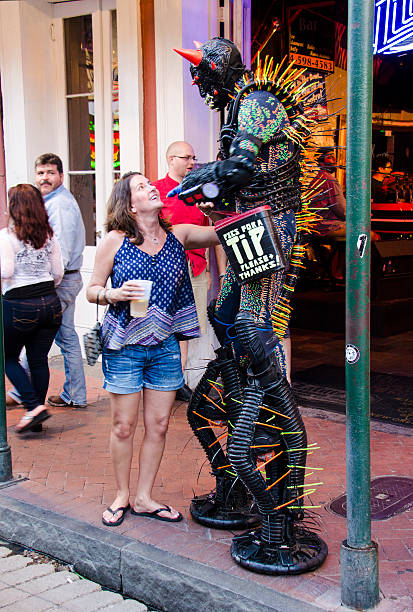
[260, 470]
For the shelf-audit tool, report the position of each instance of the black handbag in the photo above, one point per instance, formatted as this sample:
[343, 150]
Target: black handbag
[92, 340]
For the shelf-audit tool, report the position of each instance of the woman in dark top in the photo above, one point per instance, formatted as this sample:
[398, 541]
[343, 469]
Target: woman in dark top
[142, 353]
[31, 267]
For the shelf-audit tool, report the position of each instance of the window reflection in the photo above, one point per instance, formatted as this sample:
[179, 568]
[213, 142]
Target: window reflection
[79, 54]
[81, 117]
[80, 98]
[115, 95]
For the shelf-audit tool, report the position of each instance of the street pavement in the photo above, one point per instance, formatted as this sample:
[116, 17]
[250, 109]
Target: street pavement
[35, 587]
[69, 473]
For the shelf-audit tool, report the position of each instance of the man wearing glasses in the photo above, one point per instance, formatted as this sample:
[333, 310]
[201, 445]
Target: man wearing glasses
[382, 183]
[181, 158]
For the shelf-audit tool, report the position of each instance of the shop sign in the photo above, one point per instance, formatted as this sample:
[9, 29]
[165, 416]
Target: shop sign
[317, 99]
[311, 41]
[393, 26]
[315, 63]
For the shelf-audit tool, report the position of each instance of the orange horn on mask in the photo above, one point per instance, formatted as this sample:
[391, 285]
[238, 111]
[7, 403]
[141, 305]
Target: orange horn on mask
[192, 55]
[197, 44]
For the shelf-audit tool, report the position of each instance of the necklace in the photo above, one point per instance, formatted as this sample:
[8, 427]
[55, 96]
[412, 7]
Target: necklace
[153, 239]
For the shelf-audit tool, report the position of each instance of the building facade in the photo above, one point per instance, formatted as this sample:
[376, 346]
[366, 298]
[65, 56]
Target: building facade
[97, 82]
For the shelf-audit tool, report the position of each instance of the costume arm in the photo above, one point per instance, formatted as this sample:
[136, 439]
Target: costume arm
[259, 119]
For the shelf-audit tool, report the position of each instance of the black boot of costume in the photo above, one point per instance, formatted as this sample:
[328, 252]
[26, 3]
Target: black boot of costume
[280, 546]
[229, 505]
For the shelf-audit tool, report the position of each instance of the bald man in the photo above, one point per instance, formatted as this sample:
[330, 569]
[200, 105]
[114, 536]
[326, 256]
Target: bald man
[180, 157]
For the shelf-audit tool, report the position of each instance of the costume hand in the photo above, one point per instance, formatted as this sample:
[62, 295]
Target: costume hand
[174, 191]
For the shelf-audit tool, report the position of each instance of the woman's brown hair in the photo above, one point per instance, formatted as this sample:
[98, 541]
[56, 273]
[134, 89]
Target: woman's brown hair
[119, 215]
[29, 215]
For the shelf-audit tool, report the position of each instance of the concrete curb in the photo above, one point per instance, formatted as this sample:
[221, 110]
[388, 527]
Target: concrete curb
[158, 578]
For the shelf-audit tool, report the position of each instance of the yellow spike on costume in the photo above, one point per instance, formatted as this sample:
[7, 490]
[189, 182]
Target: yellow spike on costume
[283, 75]
[278, 68]
[284, 81]
[302, 507]
[215, 382]
[305, 467]
[310, 484]
[264, 70]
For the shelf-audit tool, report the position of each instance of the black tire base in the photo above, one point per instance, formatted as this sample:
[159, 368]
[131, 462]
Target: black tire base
[205, 511]
[307, 552]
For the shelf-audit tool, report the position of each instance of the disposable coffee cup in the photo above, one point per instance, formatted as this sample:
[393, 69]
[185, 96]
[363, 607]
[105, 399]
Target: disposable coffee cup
[139, 308]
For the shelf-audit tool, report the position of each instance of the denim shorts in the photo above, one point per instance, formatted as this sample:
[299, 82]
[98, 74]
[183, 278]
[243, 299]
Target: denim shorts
[134, 366]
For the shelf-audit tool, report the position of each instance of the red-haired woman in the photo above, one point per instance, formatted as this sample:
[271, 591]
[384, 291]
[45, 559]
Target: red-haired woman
[31, 267]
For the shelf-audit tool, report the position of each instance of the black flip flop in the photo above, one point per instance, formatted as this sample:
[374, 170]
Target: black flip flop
[155, 515]
[124, 510]
[38, 418]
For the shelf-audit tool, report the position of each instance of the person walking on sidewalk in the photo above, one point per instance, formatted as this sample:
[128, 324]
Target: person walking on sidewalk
[143, 352]
[67, 223]
[180, 157]
[31, 267]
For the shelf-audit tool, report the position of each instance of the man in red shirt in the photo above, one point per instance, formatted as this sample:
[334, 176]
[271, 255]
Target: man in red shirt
[181, 158]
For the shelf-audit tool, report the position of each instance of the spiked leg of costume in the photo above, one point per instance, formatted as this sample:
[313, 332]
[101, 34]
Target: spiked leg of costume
[229, 506]
[270, 423]
[265, 161]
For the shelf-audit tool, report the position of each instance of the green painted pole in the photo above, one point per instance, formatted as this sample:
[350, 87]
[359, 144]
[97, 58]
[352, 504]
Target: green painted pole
[5, 451]
[359, 569]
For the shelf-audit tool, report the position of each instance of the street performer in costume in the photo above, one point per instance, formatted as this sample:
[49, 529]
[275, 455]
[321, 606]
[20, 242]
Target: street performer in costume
[244, 389]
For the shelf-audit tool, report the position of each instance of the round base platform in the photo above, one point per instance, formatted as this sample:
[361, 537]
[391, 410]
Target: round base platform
[305, 554]
[205, 511]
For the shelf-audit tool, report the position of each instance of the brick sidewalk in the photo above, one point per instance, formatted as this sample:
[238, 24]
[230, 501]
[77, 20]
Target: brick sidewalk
[70, 473]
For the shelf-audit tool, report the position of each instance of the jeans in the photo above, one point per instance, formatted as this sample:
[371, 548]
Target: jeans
[74, 388]
[134, 366]
[31, 323]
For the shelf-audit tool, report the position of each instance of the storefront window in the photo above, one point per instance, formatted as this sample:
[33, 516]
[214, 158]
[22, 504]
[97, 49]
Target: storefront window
[81, 117]
[115, 100]
[94, 148]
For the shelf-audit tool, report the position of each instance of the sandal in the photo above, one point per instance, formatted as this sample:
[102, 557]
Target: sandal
[155, 515]
[124, 510]
[30, 421]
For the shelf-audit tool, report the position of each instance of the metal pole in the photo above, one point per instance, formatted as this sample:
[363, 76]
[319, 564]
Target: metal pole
[359, 569]
[5, 451]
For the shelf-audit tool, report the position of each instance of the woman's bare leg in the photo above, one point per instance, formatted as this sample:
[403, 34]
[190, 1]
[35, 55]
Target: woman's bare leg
[286, 344]
[157, 407]
[124, 419]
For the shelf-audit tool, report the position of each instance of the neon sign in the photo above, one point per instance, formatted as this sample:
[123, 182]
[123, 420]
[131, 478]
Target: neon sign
[393, 27]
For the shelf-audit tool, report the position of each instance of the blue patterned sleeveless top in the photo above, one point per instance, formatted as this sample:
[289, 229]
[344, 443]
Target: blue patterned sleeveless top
[171, 306]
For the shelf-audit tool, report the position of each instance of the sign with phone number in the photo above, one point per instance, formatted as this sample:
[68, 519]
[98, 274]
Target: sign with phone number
[316, 63]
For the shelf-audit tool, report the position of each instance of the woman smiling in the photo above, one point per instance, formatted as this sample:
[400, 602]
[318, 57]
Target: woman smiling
[141, 354]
